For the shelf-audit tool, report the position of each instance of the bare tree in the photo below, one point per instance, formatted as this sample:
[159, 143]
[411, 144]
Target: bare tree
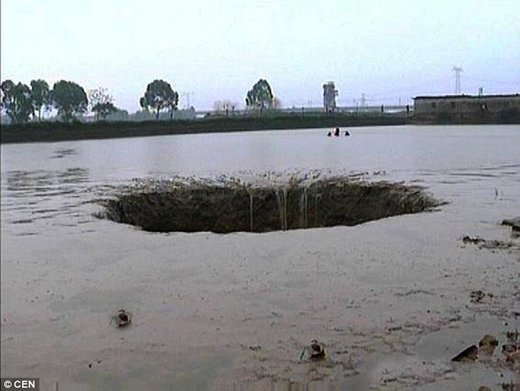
[101, 102]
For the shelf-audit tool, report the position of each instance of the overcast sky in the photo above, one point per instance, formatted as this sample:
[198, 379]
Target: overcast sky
[217, 49]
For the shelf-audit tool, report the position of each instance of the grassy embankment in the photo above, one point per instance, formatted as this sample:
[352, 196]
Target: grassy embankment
[57, 131]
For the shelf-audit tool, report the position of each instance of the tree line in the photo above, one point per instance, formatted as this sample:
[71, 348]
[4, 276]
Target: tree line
[21, 102]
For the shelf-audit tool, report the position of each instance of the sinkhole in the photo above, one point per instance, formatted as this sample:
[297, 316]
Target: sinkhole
[235, 206]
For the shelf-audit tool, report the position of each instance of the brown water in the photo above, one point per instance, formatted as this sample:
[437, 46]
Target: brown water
[200, 301]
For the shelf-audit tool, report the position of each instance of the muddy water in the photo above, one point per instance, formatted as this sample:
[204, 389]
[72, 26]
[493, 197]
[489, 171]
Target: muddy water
[390, 299]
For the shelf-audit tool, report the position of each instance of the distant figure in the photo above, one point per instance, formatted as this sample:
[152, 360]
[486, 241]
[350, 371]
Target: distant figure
[347, 133]
[336, 133]
[329, 134]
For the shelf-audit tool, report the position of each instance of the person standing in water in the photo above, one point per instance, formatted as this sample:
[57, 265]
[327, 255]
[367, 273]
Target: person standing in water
[336, 133]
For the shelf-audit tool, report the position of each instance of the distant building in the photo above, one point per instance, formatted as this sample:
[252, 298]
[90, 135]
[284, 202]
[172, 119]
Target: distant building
[462, 107]
[145, 115]
[118, 115]
[185, 114]
[329, 97]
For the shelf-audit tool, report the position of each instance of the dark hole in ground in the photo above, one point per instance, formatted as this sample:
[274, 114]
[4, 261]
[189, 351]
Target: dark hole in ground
[224, 208]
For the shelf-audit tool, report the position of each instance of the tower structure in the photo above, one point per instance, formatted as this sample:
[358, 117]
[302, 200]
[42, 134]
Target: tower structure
[458, 71]
[187, 96]
[329, 97]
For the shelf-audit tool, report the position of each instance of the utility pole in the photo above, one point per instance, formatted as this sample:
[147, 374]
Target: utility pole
[187, 95]
[458, 71]
[363, 102]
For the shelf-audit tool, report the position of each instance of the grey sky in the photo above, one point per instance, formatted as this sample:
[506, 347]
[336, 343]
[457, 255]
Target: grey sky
[219, 49]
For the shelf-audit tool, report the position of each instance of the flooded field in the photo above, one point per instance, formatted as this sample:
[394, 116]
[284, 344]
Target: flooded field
[392, 301]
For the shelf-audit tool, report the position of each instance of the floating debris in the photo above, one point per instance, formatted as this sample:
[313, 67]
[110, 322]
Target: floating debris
[511, 349]
[472, 240]
[489, 244]
[509, 386]
[467, 355]
[122, 318]
[317, 350]
[487, 345]
[514, 223]
[478, 296]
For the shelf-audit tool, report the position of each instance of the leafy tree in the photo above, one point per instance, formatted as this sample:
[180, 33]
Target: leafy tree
[103, 110]
[69, 99]
[40, 96]
[159, 95]
[101, 102]
[6, 94]
[2, 97]
[260, 96]
[16, 101]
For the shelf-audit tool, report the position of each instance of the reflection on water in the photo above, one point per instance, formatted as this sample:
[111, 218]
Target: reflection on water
[29, 196]
[498, 171]
[63, 152]
[44, 180]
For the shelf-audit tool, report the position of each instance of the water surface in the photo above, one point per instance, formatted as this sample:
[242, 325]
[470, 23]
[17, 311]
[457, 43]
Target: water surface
[200, 300]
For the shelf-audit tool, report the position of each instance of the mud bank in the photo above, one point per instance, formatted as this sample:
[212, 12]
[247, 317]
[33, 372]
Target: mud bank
[237, 206]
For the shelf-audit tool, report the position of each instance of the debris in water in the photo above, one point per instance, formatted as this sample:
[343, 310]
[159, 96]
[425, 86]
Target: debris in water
[122, 319]
[478, 296]
[514, 223]
[317, 350]
[467, 355]
[487, 345]
[513, 336]
[472, 240]
[508, 386]
[511, 349]
[489, 244]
